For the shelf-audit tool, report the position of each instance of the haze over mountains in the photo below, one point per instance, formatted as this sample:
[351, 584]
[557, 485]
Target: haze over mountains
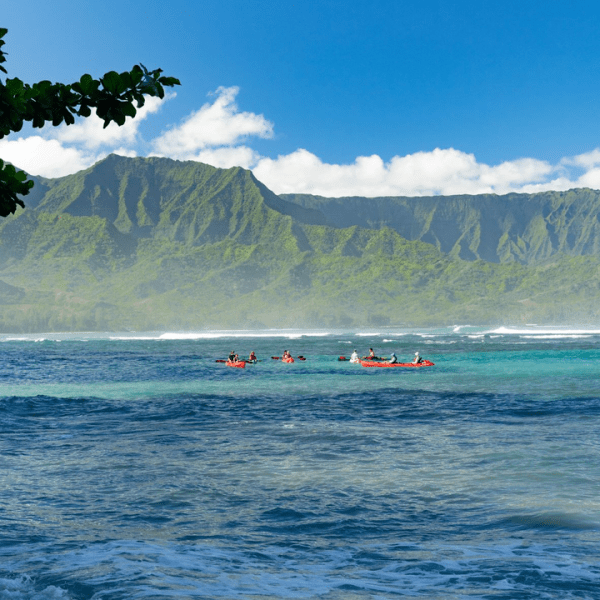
[153, 243]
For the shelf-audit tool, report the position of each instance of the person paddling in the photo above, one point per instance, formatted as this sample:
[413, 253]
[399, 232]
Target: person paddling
[417, 360]
[232, 355]
[393, 360]
[252, 357]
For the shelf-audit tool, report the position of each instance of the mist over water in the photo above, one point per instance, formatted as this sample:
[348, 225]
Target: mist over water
[134, 465]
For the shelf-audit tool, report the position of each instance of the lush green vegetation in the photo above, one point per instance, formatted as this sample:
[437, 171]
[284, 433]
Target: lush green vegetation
[527, 228]
[160, 244]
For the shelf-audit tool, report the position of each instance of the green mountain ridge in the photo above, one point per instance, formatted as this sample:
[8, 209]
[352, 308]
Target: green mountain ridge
[527, 228]
[152, 243]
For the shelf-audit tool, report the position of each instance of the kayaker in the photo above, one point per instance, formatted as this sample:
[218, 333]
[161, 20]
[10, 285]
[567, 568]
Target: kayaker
[286, 354]
[393, 359]
[232, 355]
[417, 360]
[252, 357]
[354, 357]
[371, 353]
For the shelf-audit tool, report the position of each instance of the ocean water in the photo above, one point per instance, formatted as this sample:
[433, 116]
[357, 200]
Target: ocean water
[135, 466]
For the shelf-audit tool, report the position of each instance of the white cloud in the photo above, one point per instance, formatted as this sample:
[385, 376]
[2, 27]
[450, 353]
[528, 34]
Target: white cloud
[590, 179]
[214, 125]
[585, 161]
[447, 171]
[48, 158]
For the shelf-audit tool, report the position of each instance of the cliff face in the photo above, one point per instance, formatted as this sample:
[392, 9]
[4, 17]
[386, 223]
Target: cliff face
[528, 228]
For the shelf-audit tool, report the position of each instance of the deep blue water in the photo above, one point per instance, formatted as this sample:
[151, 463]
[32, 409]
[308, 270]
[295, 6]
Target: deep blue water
[135, 466]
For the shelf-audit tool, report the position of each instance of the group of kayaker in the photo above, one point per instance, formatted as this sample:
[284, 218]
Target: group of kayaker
[391, 361]
[233, 357]
[354, 358]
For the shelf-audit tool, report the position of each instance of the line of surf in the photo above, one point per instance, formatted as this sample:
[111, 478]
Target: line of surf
[532, 331]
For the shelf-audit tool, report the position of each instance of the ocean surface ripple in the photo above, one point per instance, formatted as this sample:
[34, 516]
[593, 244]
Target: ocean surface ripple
[137, 466]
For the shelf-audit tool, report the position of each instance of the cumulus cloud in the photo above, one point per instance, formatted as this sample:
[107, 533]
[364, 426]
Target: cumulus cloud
[216, 124]
[585, 161]
[48, 158]
[441, 171]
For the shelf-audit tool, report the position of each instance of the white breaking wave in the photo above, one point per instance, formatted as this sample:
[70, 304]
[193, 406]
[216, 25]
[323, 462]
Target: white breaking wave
[555, 337]
[24, 588]
[544, 331]
[457, 328]
[208, 335]
[132, 337]
[210, 571]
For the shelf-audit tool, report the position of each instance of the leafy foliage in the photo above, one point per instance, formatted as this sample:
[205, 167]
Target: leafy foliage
[115, 96]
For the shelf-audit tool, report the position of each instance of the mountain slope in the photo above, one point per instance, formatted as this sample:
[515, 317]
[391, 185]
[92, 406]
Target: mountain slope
[528, 228]
[156, 244]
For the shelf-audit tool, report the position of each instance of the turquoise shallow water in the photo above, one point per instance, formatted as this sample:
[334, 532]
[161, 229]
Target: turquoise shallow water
[136, 466]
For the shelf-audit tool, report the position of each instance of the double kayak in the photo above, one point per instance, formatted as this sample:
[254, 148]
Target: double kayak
[371, 363]
[240, 364]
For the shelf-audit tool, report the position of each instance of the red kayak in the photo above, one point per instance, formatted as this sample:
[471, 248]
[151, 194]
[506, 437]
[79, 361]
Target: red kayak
[240, 364]
[287, 360]
[370, 363]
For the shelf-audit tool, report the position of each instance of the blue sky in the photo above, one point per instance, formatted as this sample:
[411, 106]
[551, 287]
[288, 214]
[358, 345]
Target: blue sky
[338, 98]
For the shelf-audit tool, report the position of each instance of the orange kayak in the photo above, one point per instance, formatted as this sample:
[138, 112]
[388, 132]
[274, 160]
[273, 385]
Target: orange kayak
[287, 360]
[370, 363]
[240, 364]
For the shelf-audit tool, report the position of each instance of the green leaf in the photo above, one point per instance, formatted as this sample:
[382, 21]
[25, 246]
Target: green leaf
[125, 80]
[169, 81]
[111, 81]
[129, 109]
[14, 86]
[87, 84]
[84, 111]
[136, 75]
